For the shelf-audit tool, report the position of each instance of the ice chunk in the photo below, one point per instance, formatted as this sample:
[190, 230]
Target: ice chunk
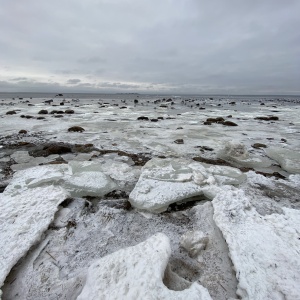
[289, 160]
[89, 184]
[137, 273]
[194, 242]
[166, 181]
[23, 219]
[263, 249]
[238, 154]
[21, 157]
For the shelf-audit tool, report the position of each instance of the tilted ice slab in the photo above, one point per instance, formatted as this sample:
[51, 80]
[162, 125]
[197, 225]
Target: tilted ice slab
[289, 160]
[238, 154]
[166, 181]
[137, 273]
[78, 178]
[263, 249]
[30, 201]
[24, 216]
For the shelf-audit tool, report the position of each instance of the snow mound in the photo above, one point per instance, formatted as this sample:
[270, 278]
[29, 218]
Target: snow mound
[23, 219]
[238, 154]
[289, 160]
[137, 273]
[194, 242]
[166, 181]
[263, 249]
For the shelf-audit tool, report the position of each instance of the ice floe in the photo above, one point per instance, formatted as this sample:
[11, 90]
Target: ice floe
[23, 219]
[263, 249]
[289, 160]
[137, 273]
[238, 154]
[166, 181]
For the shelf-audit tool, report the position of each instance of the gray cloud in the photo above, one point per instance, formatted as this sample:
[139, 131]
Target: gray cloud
[193, 46]
[73, 81]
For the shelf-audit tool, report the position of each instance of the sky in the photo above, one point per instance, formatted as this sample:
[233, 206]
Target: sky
[157, 46]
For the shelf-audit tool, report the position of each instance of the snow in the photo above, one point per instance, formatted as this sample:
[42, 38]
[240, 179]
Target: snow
[288, 159]
[263, 249]
[137, 273]
[24, 217]
[167, 181]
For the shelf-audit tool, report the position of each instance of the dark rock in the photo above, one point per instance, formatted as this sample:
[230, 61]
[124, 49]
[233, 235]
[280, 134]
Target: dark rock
[28, 117]
[61, 103]
[179, 128]
[232, 103]
[154, 120]
[142, 118]
[207, 123]
[69, 111]
[57, 149]
[75, 129]
[230, 116]
[58, 116]
[262, 104]
[40, 118]
[163, 105]
[179, 141]
[215, 120]
[269, 118]
[11, 112]
[136, 101]
[43, 112]
[22, 131]
[160, 118]
[284, 140]
[201, 108]
[229, 123]
[259, 145]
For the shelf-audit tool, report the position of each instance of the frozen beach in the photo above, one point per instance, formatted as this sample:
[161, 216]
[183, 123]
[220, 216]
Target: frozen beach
[132, 196]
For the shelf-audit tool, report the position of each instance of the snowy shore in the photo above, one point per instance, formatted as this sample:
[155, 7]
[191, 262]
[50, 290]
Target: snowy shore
[128, 197]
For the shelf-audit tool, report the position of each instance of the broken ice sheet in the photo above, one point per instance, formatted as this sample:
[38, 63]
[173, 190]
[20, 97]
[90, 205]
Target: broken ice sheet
[23, 219]
[288, 159]
[238, 154]
[263, 249]
[166, 181]
[138, 273]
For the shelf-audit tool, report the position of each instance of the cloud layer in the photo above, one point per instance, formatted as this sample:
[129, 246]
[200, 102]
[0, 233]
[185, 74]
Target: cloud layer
[182, 46]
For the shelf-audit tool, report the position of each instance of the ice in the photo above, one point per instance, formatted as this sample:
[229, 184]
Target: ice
[21, 157]
[194, 242]
[166, 181]
[89, 184]
[23, 219]
[263, 249]
[288, 159]
[238, 154]
[137, 273]
[79, 178]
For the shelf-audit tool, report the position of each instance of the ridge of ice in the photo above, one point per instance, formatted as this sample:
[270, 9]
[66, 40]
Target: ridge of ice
[289, 160]
[237, 153]
[137, 273]
[166, 181]
[263, 249]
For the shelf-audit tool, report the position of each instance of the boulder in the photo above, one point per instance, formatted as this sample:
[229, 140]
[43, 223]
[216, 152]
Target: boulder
[76, 129]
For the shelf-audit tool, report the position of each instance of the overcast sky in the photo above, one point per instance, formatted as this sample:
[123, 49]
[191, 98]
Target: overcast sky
[152, 46]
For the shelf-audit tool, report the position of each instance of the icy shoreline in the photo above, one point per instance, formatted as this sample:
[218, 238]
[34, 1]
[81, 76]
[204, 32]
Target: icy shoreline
[72, 198]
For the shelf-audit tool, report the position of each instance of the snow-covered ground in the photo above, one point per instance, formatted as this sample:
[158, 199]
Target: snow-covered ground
[166, 208]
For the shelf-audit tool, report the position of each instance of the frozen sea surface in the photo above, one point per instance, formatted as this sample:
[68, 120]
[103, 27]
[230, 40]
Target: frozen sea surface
[79, 206]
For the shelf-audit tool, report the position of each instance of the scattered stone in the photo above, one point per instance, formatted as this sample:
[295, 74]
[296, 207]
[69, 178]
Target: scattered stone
[229, 123]
[154, 120]
[69, 111]
[75, 129]
[11, 112]
[22, 131]
[142, 118]
[259, 145]
[43, 112]
[57, 149]
[179, 141]
[269, 118]
[40, 118]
